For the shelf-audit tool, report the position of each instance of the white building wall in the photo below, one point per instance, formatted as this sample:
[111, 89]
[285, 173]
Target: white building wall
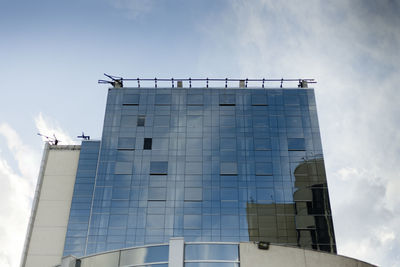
[252, 256]
[49, 220]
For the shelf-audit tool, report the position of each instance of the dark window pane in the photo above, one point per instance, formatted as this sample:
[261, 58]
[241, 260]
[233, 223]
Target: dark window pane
[147, 143]
[158, 167]
[296, 144]
[141, 120]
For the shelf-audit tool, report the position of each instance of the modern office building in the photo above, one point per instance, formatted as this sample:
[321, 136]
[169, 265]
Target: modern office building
[192, 177]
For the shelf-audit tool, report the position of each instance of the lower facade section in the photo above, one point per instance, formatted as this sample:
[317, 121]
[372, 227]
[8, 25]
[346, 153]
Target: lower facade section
[178, 253]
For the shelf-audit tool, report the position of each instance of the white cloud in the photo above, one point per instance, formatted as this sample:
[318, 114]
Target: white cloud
[48, 127]
[17, 186]
[351, 49]
[16, 192]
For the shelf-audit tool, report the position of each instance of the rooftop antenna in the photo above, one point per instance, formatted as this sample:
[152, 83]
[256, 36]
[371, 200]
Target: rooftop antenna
[116, 82]
[83, 136]
[52, 140]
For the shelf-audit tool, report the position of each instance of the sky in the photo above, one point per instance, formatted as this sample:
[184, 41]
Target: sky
[53, 52]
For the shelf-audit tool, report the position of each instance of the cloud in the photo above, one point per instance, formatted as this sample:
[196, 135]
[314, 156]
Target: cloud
[17, 186]
[351, 48]
[16, 192]
[48, 127]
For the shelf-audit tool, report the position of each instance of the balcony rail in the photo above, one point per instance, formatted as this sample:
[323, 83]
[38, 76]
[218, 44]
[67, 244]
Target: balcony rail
[205, 82]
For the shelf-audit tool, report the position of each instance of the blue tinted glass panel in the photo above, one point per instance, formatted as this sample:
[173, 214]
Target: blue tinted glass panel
[144, 255]
[163, 99]
[158, 167]
[212, 252]
[131, 99]
[296, 144]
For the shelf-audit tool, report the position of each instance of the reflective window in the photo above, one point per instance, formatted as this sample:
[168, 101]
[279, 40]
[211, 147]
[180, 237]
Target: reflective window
[144, 255]
[212, 252]
[293, 122]
[262, 144]
[211, 264]
[259, 100]
[260, 121]
[158, 167]
[141, 120]
[228, 143]
[195, 100]
[193, 194]
[296, 144]
[123, 167]
[192, 221]
[263, 168]
[126, 142]
[228, 168]
[157, 193]
[125, 155]
[227, 100]
[131, 100]
[160, 144]
[162, 121]
[163, 99]
[128, 121]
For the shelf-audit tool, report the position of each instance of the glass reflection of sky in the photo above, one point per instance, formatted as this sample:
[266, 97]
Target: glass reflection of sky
[221, 168]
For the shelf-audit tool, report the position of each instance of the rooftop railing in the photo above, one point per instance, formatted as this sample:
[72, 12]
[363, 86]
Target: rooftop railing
[118, 82]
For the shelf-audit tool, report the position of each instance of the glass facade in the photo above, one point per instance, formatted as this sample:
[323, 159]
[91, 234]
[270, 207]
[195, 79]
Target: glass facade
[209, 165]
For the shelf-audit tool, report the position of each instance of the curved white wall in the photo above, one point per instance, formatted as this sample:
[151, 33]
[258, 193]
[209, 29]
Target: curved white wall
[252, 256]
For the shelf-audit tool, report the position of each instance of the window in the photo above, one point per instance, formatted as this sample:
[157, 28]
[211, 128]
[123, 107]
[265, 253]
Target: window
[262, 144]
[193, 194]
[263, 168]
[162, 121]
[147, 143]
[227, 100]
[195, 100]
[192, 221]
[228, 144]
[294, 122]
[131, 100]
[157, 193]
[228, 168]
[123, 168]
[163, 99]
[259, 100]
[140, 120]
[260, 121]
[296, 144]
[127, 143]
[158, 167]
[127, 121]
